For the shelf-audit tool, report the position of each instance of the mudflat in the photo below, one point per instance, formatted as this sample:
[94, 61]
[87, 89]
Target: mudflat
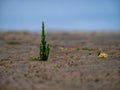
[73, 62]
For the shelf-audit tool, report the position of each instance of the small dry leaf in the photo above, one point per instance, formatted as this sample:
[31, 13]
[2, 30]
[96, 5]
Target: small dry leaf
[102, 55]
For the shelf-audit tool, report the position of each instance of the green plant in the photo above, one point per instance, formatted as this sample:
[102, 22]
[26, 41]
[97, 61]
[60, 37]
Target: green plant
[43, 49]
[87, 49]
[14, 43]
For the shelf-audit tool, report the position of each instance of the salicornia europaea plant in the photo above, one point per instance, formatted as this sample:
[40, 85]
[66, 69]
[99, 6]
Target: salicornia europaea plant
[44, 48]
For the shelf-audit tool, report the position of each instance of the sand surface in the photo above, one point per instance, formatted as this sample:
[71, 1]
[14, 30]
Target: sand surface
[73, 63]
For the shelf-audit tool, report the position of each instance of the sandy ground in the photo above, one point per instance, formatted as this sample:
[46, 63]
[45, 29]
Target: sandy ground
[72, 65]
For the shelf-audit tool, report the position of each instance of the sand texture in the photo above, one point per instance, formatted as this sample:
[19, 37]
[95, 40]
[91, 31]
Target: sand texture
[73, 62]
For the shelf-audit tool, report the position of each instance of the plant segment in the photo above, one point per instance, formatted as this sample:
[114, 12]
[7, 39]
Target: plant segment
[44, 48]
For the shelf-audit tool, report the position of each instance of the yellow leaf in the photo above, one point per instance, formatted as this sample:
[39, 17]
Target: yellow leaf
[102, 55]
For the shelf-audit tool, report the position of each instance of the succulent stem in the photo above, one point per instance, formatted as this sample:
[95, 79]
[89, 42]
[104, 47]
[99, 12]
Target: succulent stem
[44, 49]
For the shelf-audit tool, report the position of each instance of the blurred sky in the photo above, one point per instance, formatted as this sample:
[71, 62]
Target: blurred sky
[89, 15]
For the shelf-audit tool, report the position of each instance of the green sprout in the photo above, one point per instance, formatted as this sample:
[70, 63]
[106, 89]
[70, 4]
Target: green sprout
[44, 48]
